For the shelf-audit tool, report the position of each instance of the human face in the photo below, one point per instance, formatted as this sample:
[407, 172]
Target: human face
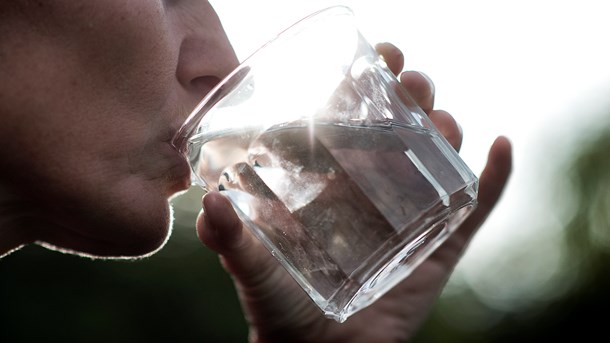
[91, 93]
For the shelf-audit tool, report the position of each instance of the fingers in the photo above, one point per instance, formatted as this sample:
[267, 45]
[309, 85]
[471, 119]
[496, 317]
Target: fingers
[495, 175]
[420, 87]
[218, 227]
[417, 84]
[221, 230]
[492, 182]
[448, 127]
[392, 56]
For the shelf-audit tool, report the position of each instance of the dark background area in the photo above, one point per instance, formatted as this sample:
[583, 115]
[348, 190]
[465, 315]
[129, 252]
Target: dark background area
[171, 296]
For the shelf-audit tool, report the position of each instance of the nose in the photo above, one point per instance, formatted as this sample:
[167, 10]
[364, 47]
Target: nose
[205, 54]
[203, 63]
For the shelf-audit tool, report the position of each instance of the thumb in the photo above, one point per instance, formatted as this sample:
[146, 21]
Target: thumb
[220, 229]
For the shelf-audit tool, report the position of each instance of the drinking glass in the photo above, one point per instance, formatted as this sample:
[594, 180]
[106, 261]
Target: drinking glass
[329, 162]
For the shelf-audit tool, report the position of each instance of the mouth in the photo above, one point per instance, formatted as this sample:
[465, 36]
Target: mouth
[179, 171]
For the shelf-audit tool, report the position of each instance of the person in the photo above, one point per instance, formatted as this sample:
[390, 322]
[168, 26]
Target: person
[90, 97]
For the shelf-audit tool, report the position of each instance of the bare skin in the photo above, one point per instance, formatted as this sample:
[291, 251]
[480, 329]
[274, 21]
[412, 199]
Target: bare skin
[90, 97]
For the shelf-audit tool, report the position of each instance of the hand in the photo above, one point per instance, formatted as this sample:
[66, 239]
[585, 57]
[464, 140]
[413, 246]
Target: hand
[277, 309]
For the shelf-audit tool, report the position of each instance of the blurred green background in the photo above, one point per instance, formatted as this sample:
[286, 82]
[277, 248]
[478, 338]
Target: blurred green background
[181, 294]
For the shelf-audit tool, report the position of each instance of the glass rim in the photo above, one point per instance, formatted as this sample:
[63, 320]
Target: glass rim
[233, 79]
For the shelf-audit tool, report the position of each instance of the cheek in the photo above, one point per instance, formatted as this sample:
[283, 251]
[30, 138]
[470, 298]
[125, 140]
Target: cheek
[133, 62]
[79, 121]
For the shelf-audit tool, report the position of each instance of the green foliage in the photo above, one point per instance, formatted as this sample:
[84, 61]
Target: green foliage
[589, 230]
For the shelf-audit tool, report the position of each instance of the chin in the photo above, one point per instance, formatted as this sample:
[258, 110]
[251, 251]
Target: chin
[152, 239]
[136, 240]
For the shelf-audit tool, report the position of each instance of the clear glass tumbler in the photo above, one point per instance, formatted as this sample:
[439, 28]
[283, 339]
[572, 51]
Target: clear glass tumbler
[329, 162]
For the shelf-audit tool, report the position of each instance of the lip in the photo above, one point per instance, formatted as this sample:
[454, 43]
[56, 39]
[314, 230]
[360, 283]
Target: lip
[179, 172]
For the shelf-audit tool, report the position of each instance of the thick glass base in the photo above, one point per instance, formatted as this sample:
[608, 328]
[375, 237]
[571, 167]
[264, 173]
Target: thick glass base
[396, 266]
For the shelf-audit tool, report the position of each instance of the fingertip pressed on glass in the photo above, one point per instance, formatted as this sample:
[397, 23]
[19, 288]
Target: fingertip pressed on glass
[329, 162]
